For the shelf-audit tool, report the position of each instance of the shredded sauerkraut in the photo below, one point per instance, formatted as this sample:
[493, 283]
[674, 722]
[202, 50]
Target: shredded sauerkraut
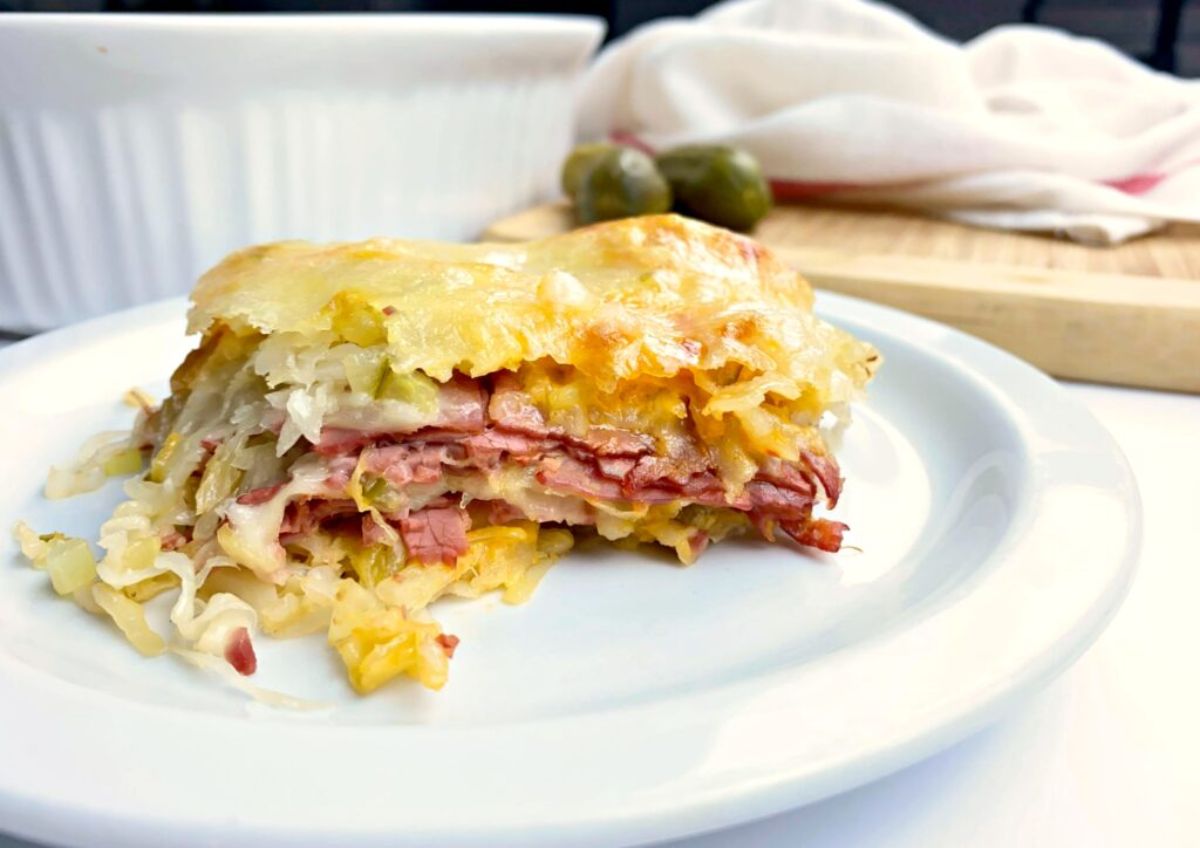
[347, 444]
[183, 530]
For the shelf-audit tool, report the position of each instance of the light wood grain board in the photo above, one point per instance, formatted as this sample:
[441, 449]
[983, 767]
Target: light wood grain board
[1128, 314]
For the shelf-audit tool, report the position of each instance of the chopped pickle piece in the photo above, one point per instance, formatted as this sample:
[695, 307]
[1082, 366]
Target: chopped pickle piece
[414, 388]
[220, 480]
[127, 461]
[375, 489]
[372, 564]
[364, 370]
[162, 459]
[70, 564]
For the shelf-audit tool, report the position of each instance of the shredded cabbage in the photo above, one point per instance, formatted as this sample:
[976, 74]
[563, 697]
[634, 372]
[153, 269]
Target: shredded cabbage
[91, 467]
[269, 697]
[214, 516]
[130, 617]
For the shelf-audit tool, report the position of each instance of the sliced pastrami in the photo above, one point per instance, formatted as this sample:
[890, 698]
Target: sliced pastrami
[437, 535]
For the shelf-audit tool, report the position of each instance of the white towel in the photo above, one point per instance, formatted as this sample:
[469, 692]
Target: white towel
[1022, 128]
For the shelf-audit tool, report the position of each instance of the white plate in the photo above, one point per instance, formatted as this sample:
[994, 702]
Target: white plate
[630, 700]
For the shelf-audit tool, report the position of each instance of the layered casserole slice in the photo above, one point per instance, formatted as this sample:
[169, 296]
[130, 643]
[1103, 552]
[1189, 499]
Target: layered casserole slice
[366, 427]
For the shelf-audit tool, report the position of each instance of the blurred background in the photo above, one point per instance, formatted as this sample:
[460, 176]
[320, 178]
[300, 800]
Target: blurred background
[1165, 34]
[139, 146]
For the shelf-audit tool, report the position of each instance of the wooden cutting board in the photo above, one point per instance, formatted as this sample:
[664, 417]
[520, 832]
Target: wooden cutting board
[1128, 314]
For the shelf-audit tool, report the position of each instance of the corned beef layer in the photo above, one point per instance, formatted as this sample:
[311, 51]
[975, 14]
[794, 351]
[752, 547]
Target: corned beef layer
[482, 427]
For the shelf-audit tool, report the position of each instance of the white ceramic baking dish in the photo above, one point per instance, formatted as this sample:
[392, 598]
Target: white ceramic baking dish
[137, 150]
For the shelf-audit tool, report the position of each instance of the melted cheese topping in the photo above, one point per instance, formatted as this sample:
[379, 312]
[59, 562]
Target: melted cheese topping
[658, 296]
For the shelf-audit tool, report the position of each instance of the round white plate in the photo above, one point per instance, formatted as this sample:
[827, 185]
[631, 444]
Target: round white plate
[631, 700]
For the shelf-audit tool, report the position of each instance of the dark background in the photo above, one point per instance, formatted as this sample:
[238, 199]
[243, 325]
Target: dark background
[1163, 33]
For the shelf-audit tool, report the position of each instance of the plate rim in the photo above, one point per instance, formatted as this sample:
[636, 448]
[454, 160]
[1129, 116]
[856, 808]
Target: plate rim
[707, 806]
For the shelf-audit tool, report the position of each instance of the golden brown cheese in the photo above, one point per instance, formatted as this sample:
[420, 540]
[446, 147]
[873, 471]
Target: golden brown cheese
[654, 296]
[657, 329]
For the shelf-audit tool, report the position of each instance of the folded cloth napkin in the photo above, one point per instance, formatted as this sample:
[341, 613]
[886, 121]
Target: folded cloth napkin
[1022, 128]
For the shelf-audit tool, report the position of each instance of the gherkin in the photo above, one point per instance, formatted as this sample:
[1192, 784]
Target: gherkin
[721, 185]
[582, 158]
[619, 183]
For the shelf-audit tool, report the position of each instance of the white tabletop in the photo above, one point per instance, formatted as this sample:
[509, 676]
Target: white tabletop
[1104, 757]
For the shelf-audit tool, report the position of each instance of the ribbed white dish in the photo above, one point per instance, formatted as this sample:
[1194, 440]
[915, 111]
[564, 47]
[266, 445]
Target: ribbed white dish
[136, 151]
